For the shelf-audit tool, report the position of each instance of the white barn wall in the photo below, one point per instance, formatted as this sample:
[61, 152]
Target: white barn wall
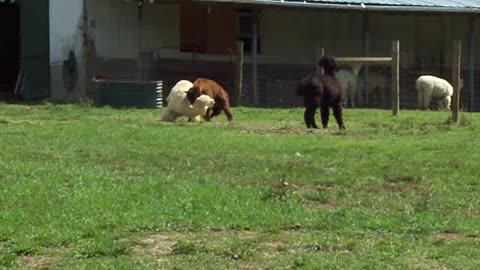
[113, 26]
[116, 32]
[289, 41]
[288, 36]
[65, 35]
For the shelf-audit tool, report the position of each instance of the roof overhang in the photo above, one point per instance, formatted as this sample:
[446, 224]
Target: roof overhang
[351, 6]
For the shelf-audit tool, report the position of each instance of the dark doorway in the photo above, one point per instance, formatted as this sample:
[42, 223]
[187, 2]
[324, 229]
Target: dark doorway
[9, 47]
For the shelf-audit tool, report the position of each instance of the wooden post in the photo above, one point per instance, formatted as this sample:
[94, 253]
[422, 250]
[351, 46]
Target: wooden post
[319, 53]
[254, 49]
[365, 54]
[85, 52]
[140, 39]
[395, 77]
[238, 73]
[471, 58]
[456, 57]
[322, 54]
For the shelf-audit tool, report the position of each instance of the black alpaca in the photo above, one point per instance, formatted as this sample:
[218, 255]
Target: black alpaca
[324, 91]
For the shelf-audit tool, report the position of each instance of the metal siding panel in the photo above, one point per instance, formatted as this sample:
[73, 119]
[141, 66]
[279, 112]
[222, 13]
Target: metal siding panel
[35, 60]
[9, 46]
[129, 94]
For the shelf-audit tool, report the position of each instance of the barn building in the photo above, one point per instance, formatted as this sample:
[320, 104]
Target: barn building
[53, 49]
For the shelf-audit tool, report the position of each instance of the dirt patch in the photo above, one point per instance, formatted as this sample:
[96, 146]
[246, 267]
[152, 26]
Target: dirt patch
[246, 247]
[252, 267]
[315, 197]
[312, 188]
[165, 244]
[450, 236]
[287, 130]
[473, 212]
[159, 244]
[403, 179]
[329, 206]
[385, 188]
[392, 188]
[38, 262]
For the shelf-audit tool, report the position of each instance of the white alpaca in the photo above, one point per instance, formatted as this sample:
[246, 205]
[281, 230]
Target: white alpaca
[348, 81]
[179, 105]
[430, 88]
[377, 87]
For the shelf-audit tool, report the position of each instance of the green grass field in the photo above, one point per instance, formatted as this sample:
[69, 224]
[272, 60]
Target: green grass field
[98, 188]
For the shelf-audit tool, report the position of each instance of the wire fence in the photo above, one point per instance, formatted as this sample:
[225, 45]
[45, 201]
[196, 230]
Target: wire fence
[373, 84]
[277, 82]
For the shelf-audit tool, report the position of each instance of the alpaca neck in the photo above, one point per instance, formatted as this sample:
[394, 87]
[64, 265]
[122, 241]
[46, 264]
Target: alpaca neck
[356, 70]
[329, 72]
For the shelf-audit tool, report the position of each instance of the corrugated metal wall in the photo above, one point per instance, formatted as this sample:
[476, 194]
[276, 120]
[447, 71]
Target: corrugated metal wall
[34, 50]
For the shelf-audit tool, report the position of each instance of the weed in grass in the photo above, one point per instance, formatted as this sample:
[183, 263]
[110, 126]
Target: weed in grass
[185, 248]
[279, 192]
[24, 250]
[102, 247]
[319, 197]
[7, 260]
[240, 249]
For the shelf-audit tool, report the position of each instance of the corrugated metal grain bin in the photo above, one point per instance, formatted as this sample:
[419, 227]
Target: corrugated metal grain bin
[128, 94]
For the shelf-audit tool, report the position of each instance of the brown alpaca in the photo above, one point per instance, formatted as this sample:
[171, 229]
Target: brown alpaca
[324, 91]
[214, 90]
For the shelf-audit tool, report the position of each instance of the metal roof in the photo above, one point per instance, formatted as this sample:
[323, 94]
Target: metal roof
[418, 3]
[468, 6]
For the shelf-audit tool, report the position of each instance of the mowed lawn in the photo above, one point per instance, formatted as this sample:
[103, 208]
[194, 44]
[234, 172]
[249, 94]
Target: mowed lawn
[100, 188]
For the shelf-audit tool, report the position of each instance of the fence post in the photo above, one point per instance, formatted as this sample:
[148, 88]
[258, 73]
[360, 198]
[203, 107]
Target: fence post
[456, 57]
[238, 73]
[395, 77]
[140, 39]
[319, 53]
[253, 51]
[471, 59]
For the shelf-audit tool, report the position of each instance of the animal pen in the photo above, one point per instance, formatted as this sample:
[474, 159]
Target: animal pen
[394, 63]
[258, 56]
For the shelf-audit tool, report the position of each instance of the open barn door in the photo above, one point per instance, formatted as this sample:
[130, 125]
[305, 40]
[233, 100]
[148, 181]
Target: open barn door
[34, 76]
[9, 47]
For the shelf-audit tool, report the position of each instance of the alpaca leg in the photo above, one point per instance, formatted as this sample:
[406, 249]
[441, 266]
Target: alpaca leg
[174, 117]
[435, 104]
[215, 112]
[426, 101]
[194, 119]
[345, 101]
[359, 96]
[228, 112]
[337, 112]
[447, 102]
[427, 98]
[168, 116]
[325, 114]
[309, 116]
[207, 115]
[419, 99]
[352, 98]
[306, 118]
